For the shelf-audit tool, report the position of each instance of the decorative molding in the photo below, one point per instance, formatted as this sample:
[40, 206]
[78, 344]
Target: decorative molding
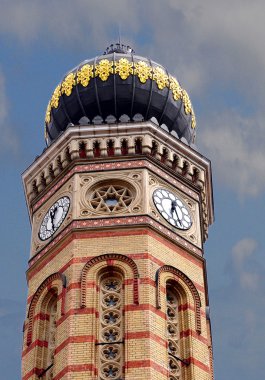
[110, 351]
[176, 272]
[141, 220]
[119, 185]
[46, 284]
[74, 152]
[173, 332]
[89, 167]
[110, 259]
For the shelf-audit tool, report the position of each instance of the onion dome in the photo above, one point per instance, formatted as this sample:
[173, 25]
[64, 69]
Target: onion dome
[120, 86]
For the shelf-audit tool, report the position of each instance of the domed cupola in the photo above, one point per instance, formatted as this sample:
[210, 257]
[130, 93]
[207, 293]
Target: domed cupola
[120, 86]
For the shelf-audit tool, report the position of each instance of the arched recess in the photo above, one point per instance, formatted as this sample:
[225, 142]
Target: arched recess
[180, 275]
[110, 259]
[55, 280]
[46, 333]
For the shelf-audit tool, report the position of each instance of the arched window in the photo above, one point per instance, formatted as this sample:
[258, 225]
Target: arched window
[46, 307]
[51, 338]
[173, 333]
[48, 328]
[178, 297]
[110, 345]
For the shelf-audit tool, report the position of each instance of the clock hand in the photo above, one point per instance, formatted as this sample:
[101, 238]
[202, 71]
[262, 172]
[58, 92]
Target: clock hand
[52, 215]
[55, 211]
[173, 208]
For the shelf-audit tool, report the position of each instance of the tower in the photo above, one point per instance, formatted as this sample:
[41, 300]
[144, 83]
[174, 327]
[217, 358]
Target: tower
[120, 203]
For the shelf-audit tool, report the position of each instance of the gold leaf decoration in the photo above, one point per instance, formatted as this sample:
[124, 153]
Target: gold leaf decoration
[175, 88]
[186, 102]
[56, 97]
[124, 68]
[68, 83]
[143, 71]
[103, 69]
[193, 120]
[160, 77]
[48, 114]
[188, 108]
[85, 74]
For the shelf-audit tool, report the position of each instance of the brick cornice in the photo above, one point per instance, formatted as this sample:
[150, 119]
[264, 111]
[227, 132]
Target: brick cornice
[74, 233]
[128, 163]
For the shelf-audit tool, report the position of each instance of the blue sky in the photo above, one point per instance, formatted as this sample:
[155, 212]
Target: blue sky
[216, 51]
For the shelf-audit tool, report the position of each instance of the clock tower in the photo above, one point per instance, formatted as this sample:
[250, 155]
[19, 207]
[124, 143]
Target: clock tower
[120, 203]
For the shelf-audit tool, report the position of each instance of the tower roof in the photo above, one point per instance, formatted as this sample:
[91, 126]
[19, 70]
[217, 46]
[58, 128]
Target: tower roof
[119, 86]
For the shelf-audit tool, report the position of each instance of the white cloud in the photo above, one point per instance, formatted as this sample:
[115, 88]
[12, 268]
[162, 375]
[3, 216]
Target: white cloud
[249, 281]
[236, 146]
[8, 139]
[67, 22]
[237, 313]
[214, 48]
[242, 252]
[237, 334]
[205, 42]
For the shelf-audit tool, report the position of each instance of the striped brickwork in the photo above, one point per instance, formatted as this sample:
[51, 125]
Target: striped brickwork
[145, 324]
[138, 245]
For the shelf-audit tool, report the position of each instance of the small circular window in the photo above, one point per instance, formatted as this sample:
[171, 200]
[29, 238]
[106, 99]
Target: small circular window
[111, 197]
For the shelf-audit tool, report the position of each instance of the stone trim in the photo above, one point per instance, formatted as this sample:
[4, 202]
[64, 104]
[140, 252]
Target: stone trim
[142, 221]
[176, 272]
[110, 259]
[129, 336]
[132, 163]
[46, 285]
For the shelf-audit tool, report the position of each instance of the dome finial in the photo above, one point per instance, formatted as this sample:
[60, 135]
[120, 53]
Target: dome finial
[119, 48]
[119, 34]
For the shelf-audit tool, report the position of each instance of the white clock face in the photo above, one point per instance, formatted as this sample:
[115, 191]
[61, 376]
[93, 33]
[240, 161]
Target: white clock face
[54, 218]
[173, 210]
